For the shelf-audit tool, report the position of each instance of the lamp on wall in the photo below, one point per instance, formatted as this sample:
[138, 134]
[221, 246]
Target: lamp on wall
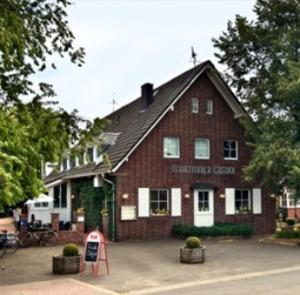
[222, 196]
[187, 195]
[125, 196]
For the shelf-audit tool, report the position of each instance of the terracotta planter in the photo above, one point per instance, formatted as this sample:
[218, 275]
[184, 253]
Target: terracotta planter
[196, 255]
[65, 264]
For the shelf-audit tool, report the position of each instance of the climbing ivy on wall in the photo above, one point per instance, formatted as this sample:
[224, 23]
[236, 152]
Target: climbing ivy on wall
[90, 199]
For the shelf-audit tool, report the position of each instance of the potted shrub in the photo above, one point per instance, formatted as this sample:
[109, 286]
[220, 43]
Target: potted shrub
[192, 251]
[67, 263]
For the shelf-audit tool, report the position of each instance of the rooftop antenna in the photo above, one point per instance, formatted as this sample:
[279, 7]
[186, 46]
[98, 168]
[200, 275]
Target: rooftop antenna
[194, 56]
[114, 102]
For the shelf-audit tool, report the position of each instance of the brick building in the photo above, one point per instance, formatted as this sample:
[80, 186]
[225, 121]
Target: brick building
[176, 156]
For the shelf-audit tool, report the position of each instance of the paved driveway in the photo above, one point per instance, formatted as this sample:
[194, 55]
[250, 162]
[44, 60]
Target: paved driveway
[136, 266]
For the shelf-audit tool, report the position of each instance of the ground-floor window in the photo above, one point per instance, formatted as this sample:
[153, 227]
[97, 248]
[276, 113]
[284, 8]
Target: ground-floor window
[242, 201]
[60, 196]
[159, 202]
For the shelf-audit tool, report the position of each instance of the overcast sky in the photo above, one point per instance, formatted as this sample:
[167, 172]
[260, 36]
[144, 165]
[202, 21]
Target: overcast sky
[129, 43]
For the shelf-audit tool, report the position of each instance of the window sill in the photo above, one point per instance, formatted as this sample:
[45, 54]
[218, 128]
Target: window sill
[171, 157]
[231, 159]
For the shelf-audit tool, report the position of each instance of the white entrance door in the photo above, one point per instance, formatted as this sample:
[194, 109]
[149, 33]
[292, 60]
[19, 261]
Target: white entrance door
[204, 207]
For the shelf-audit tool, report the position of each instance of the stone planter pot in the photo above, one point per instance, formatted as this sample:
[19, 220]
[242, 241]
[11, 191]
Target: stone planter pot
[196, 255]
[65, 264]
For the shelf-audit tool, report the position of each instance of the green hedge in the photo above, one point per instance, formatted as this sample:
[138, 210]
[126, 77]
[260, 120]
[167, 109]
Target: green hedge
[288, 234]
[222, 229]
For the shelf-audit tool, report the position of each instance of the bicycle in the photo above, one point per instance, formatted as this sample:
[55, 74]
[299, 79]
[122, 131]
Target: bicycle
[9, 243]
[42, 238]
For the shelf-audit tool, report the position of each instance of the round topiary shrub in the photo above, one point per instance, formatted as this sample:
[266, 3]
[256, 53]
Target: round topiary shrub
[193, 242]
[71, 250]
[290, 221]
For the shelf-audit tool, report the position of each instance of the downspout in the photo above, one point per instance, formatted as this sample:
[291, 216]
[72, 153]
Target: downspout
[113, 236]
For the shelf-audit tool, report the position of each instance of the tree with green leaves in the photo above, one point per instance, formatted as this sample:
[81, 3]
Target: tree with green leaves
[32, 34]
[262, 59]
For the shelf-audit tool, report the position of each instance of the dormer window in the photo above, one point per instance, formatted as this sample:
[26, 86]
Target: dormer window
[90, 154]
[195, 105]
[81, 159]
[65, 164]
[209, 107]
[72, 162]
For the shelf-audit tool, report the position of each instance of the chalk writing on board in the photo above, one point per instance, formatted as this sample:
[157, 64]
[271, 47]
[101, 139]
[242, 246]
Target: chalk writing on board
[91, 253]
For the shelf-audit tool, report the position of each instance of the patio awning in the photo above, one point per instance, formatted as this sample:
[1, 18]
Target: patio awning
[41, 198]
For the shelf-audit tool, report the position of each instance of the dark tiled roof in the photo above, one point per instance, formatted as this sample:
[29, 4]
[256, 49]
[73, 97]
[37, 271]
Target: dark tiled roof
[132, 123]
[76, 172]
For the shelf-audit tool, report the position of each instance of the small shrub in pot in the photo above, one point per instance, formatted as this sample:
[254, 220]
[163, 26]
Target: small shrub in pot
[67, 263]
[193, 242]
[71, 250]
[192, 251]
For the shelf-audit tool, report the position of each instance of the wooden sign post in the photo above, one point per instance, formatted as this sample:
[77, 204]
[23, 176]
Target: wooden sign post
[94, 252]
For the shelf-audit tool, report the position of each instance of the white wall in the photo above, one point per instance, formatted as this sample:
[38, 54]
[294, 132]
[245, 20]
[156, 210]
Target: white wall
[44, 214]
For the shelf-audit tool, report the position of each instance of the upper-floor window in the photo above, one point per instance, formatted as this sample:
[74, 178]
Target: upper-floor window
[65, 164]
[90, 154]
[202, 148]
[171, 147]
[195, 105]
[72, 162]
[230, 150]
[209, 107]
[60, 196]
[81, 158]
[159, 202]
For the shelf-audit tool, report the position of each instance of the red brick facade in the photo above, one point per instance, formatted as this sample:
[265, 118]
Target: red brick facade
[293, 213]
[146, 167]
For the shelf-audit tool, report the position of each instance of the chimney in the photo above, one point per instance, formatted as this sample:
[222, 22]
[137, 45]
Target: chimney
[147, 95]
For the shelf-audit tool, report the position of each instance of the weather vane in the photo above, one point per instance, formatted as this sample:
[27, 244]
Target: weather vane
[194, 56]
[114, 102]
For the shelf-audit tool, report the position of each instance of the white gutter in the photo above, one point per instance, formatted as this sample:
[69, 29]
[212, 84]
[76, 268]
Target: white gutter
[113, 236]
[54, 183]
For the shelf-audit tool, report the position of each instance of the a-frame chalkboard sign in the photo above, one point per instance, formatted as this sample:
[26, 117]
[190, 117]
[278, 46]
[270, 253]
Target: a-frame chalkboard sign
[94, 252]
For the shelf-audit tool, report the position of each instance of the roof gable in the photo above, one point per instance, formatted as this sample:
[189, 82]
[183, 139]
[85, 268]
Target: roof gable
[143, 122]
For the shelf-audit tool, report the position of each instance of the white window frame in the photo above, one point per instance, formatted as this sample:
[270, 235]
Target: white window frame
[168, 201]
[88, 160]
[208, 144]
[171, 156]
[209, 107]
[195, 105]
[236, 147]
[249, 200]
[41, 205]
[209, 209]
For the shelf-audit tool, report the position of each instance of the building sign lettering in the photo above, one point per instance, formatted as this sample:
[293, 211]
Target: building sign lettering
[216, 170]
